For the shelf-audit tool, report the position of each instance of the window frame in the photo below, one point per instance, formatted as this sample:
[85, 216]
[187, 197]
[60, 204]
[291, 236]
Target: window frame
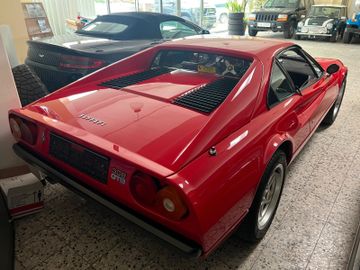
[287, 76]
[307, 58]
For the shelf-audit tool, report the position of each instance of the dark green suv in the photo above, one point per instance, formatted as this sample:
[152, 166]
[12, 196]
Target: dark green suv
[278, 16]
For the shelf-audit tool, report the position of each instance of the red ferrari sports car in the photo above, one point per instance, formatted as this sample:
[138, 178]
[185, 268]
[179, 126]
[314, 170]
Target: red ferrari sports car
[189, 139]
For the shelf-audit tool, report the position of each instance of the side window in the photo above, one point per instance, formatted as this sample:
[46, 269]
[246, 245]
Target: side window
[280, 87]
[175, 29]
[318, 70]
[300, 70]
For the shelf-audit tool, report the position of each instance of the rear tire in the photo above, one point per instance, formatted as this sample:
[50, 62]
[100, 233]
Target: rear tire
[347, 37]
[252, 33]
[267, 198]
[334, 37]
[224, 18]
[297, 37]
[28, 84]
[334, 111]
[289, 30]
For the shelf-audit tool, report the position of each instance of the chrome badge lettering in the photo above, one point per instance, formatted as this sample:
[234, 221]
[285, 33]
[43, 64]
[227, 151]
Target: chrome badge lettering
[92, 119]
[118, 175]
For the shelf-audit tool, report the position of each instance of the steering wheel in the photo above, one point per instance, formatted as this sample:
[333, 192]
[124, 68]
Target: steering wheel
[229, 69]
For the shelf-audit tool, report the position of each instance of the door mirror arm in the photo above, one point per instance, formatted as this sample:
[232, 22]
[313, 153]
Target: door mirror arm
[298, 91]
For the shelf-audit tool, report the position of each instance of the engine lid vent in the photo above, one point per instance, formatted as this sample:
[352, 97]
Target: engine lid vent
[135, 78]
[207, 98]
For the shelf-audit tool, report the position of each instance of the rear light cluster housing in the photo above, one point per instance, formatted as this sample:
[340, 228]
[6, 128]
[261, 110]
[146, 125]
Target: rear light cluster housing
[164, 199]
[80, 62]
[23, 129]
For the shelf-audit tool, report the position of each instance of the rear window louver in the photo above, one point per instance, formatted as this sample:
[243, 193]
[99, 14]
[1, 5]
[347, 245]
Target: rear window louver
[208, 97]
[135, 78]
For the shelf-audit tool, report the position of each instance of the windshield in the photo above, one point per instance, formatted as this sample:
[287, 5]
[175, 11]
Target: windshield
[331, 12]
[216, 64]
[281, 4]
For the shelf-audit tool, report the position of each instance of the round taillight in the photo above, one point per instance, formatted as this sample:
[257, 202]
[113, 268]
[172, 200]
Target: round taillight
[143, 188]
[15, 127]
[170, 203]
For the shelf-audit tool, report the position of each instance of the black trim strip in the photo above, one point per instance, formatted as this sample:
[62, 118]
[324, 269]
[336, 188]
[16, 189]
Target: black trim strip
[135, 78]
[186, 245]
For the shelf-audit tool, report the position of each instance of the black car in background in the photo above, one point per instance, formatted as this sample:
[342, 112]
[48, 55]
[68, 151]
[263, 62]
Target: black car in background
[63, 59]
[323, 21]
[278, 16]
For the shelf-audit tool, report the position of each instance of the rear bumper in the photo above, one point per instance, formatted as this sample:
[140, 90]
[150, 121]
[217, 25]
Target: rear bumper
[274, 26]
[57, 175]
[52, 77]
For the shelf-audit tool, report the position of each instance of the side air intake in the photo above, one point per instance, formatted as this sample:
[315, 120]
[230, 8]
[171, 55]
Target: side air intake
[135, 78]
[207, 98]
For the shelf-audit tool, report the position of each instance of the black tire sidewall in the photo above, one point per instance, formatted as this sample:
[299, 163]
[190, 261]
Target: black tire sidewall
[329, 119]
[29, 86]
[249, 229]
[289, 30]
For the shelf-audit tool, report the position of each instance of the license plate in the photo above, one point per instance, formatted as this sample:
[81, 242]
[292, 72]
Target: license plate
[264, 24]
[85, 160]
[206, 69]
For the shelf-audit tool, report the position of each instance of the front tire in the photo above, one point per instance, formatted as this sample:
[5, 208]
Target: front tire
[335, 36]
[266, 200]
[334, 111]
[252, 33]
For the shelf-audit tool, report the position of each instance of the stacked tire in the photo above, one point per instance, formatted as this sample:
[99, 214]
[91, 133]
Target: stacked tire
[28, 84]
[236, 24]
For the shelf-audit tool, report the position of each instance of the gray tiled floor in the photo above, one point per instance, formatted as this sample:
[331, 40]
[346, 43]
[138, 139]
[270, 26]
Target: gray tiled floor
[313, 229]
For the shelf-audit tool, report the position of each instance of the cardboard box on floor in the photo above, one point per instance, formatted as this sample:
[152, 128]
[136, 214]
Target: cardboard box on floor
[24, 193]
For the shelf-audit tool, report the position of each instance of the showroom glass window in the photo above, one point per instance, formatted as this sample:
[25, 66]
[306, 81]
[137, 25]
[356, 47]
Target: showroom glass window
[175, 29]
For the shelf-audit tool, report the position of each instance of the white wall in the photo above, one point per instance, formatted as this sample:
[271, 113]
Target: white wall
[9, 99]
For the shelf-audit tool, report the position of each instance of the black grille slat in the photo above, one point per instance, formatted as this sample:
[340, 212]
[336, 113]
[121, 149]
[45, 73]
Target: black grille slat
[208, 97]
[210, 93]
[266, 17]
[207, 104]
[135, 78]
[205, 100]
[87, 161]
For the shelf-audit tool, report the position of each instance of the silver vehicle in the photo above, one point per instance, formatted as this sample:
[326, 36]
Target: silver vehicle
[323, 21]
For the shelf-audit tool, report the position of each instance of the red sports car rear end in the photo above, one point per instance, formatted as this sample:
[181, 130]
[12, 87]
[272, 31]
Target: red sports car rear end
[188, 139]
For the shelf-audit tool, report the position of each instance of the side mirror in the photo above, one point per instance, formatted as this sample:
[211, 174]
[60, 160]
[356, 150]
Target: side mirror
[333, 68]
[205, 32]
[302, 16]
